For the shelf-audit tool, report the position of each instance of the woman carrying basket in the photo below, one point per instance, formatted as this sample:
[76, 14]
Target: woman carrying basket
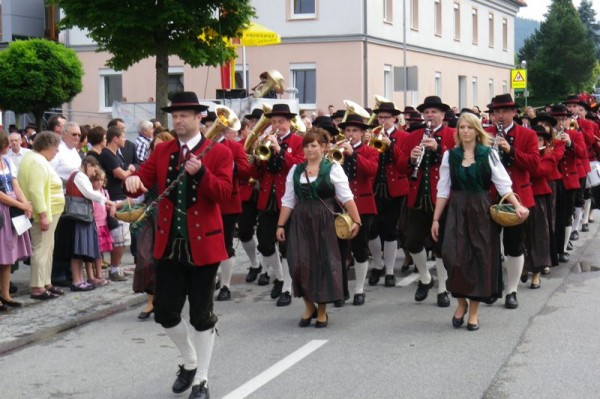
[471, 251]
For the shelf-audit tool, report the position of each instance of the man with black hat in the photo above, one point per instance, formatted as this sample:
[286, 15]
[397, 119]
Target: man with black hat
[189, 242]
[519, 153]
[423, 192]
[360, 165]
[390, 189]
[286, 151]
[253, 117]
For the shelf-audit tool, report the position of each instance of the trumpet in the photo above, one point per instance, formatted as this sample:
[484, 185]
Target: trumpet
[263, 147]
[426, 134]
[376, 140]
[573, 125]
[336, 153]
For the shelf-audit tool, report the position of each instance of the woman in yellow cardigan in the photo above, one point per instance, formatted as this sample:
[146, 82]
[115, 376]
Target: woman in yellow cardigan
[43, 187]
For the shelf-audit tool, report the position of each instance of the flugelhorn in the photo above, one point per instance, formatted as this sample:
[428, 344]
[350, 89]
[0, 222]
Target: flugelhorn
[378, 100]
[263, 148]
[226, 119]
[573, 125]
[273, 81]
[336, 153]
[426, 134]
[376, 140]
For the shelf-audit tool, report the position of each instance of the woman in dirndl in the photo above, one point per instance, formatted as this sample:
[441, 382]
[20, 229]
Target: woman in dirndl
[14, 247]
[471, 247]
[313, 190]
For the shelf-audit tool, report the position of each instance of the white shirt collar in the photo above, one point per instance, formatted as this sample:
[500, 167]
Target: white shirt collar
[193, 142]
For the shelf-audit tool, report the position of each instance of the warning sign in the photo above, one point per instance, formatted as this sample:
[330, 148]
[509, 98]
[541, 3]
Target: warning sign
[518, 78]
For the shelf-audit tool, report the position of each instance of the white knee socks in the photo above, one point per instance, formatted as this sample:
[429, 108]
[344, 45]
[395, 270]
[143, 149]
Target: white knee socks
[375, 248]
[390, 248]
[275, 263]
[442, 275]
[514, 268]
[203, 344]
[568, 230]
[360, 270]
[287, 277]
[587, 206]
[250, 248]
[227, 272]
[577, 218]
[420, 260]
[181, 338]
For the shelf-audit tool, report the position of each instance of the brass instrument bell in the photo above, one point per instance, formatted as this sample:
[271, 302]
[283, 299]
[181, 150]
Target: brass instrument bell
[274, 81]
[378, 100]
[226, 119]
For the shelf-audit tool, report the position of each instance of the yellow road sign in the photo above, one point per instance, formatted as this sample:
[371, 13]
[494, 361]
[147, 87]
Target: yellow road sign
[518, 78]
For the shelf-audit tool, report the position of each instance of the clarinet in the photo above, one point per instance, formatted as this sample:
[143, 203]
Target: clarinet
[499, 134]
[426, 135]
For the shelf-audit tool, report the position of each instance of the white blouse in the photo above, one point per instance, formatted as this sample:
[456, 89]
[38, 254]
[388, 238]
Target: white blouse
[500, 177]
[338, 179]
[84, 185]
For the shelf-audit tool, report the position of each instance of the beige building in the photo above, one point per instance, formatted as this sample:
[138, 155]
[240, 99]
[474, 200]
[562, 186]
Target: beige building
[460, 50]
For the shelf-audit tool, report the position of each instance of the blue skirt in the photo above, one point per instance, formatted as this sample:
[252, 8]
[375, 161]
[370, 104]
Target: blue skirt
[76, 240]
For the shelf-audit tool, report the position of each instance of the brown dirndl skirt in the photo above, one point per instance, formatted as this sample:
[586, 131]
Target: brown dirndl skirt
[313, 252]
[144, 276]
[471, 247]
[537, 236]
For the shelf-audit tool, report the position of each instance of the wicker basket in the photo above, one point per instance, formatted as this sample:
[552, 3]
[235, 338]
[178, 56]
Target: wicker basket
[343, 226]
[504, 214]
[130, 214]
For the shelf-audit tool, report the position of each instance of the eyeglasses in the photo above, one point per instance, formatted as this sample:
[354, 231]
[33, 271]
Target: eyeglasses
[76, 134]
[383, 117]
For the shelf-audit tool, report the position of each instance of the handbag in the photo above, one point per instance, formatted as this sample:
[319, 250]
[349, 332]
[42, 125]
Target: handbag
[504, 214]
[112, 222]
[77, 209]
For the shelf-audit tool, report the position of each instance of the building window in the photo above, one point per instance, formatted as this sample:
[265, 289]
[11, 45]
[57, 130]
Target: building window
[388, 82]
[414, 14]
[504, 34]
[304, 79]
[457, 21]
[437, 15]
[491, 88]
[303, 9]
[239, 76]
[110, 89]
[491, 30]
[175, 80]
[475, 27]
[474, 82]
[438, 84]
[388, 15]
[504, 86]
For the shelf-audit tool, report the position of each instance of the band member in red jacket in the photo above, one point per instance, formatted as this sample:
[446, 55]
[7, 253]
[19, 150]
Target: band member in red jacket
[391, 189]
[360, 165]
[232, 208]
[189, 242]
[519, 153]
[420, 157]
[286, 151]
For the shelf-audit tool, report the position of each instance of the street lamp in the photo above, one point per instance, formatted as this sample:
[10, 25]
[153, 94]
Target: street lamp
[525, 91]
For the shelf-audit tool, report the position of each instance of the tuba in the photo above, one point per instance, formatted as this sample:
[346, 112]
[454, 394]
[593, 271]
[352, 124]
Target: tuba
[226, 119]
[378, 100]
[354, 108]
[274, 81]
[376, 140]
[254, 145]
[297, 125]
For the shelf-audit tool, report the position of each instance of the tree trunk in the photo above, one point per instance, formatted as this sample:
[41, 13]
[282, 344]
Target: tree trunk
[39, 116]
[162, 78]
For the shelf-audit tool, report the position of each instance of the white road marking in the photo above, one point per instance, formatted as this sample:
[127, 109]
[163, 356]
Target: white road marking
[408, 280]
[276, 369]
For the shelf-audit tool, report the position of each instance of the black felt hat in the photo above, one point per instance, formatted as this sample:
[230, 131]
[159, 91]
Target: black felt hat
[387, 107]
[433, 102]
[281, 110]
[354, 120]
[185, 100]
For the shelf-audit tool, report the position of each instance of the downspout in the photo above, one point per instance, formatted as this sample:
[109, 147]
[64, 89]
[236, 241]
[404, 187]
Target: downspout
[69, 105]
[365, 57]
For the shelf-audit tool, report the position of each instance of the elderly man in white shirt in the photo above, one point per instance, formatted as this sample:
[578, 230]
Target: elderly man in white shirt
[16, 152]
[68, 160]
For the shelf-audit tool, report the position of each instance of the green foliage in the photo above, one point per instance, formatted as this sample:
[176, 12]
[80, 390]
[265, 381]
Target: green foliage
[558, 56]
[38, 74]
[588, 17]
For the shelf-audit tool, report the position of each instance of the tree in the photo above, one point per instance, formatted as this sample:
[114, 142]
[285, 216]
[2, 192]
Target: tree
[132, 30]
[36, 75]
[588, 17]
[558, 55]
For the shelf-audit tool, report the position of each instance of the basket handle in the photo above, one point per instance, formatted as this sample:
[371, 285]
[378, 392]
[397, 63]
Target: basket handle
[505, 196]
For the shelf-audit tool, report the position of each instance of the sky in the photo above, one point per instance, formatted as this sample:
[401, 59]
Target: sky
[537, 8]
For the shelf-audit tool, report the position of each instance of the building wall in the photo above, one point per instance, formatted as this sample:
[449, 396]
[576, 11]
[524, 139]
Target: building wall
[22, 18]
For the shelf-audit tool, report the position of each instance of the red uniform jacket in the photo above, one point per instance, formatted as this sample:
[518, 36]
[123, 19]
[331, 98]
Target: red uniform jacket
[206, 189]
[591, 135]
[558, 151]
[247, 184]
[397, 181]
[445, 140]
[539, 177]
[273, 173]
[361, 168]
[567, 166]
[522, 160]
[241, 170]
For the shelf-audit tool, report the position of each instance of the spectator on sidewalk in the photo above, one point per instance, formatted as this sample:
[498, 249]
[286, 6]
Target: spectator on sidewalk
[142, 144]
[16, 151]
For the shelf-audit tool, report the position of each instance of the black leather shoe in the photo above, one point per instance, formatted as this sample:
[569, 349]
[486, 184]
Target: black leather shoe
[359, 299]
[12, 288]
[563, 258]
[457, 322]
[304, 322]
[224, 294]
[322, 324]
[443, 301]
[390, 280]
[473, 327]
[145, 315]
[524, 277]
[585, 228]
[200, 391]
[276, 290]
[264, 279]
[423, 290]
[11, 304]
[569, 246]
[340, 303]
[284, 299]
[375, 276]
[253, 273]
[574, 235]
[490, 301]
[184, 379]
[510, 302]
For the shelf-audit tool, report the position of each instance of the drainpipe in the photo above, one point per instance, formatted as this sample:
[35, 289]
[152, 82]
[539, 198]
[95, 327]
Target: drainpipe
[365, 57]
